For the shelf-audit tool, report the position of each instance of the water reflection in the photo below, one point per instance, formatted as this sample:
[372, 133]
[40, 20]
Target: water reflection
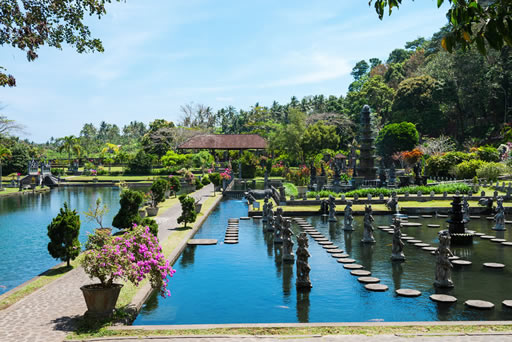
[187, 256]
[334, 232]
[287, 279]
[367, 254]
[397, 273]
[269, 241]
[278, 253]
[347, 235]
[303, 305]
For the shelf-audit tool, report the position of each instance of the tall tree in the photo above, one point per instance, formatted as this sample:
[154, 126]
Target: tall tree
[4, 153]
[70, 144]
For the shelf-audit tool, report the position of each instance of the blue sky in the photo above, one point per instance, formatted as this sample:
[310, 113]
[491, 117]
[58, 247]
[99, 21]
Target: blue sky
[161, 54]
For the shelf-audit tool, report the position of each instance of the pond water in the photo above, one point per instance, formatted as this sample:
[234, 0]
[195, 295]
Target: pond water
[248, 282]
[23, 228]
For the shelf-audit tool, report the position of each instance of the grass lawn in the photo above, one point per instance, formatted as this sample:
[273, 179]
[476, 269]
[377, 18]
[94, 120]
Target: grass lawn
[111, 178]
[10, 191]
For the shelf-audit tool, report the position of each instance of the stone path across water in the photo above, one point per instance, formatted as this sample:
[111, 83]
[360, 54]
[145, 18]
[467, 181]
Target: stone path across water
[51, 312]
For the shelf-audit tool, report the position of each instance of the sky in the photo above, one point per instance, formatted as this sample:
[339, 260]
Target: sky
[162, 54]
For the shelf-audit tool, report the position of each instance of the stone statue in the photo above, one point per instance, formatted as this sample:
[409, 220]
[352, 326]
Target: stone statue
[368, 227]
[324, 207]
[465, 208]
[265, 181]
[392, 173]
[332, 209]
[499, 218]
[392, 203]
[443, 264]
[265, 208]
[348, 219]
[303, 267]
[271, 219]
[337, 173]
[322, 172]
[282, 194]
[312, 178]
[288, 255]
[278, 226]
[398, 245]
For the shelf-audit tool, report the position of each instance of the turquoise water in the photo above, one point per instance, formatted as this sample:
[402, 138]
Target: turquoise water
[248, 282]
[23, 228]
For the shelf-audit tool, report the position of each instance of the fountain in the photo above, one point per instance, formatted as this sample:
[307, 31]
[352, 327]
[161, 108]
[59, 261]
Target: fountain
[457, 224]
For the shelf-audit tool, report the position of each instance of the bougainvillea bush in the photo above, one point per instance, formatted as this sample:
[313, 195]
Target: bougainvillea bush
[132, 257]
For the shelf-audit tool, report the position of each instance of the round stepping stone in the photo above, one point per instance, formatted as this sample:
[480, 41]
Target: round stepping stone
[508, 222]
[345, 260]
[408, 293]
[479, 304]
[453, 258]
[413, 217]
[507, 243]
[442, 298]
[498, 240]
[429, 249]
[368, 280]
[474, 216]
[376, 287]
[479, 234]
[426, 216]
[390, 232]
[317, 234]
[231, 234]
[360, 273]
[507, 303]
[330, 247]
[256, 217]
[488, 237]
[411, 224]
[230, 241]
[340, 255]
[442, 215]
[493, 265]
[320, 238]
[324, 242]
[421, 244]
[490, 218]
[433, 225]
[353, 266]
[461, 262]
[335, 251]
[383, 227]
[244, 218]
[414, 241]
[407, 238]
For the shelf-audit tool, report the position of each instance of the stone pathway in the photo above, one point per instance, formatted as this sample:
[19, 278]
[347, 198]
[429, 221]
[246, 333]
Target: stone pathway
[51, 312]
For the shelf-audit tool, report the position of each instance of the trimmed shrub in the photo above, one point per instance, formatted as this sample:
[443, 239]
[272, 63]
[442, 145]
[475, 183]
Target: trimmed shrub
[290, 189]
[188, 210]
[63, 233]
[128, 213]
[488, 154]
[396, 137]
[467, 169]
[491, 171]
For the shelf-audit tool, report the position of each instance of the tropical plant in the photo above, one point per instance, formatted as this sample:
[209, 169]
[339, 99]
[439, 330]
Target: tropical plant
[174, 184]
[96, 213]
[491, 171]
[249, 163]
[396, 137]
[215, 179]
[70, 144]
[4, 153]
[188, 210]
[63, 232]
[158, 189]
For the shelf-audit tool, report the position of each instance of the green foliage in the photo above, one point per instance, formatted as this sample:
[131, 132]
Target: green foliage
[158, 189]
[96, 213]
[249, 164]
[188, 210]
[199, 185]
[396, 137]
[319, 136]
[322, 194]
[63, 233]
[438, 189]
[488, 154]
[140, 164]
[442, 166]
[290, 189]
[20, 156]
[128, 214]
[202, 159]
[205, 180]
[467, 169]
[151, 223]
[160, 137]
[491, 171]
[172, 158]
[174, 184]
[215, 178]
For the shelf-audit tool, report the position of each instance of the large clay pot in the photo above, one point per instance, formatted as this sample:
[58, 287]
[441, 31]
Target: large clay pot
[152, 211]
[142, 213]
[100, 301]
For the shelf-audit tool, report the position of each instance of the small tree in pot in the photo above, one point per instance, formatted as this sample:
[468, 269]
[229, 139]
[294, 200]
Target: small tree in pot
[174, 184]
[97, 213]
[63, 233]
[157, 193]
[188, 210]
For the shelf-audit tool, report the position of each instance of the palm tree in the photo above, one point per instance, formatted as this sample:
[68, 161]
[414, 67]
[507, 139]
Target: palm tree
[112, 151]
[4, 153]
[70, 144]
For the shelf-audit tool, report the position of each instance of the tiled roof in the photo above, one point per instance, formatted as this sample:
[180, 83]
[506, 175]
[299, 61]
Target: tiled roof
[225, 142]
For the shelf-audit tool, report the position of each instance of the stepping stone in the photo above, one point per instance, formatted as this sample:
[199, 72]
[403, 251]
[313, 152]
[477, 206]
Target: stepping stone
[256, 217]
[442, 298]
[335, 251]
[407, 238]
[429, 249]
[232, 234]
[330, 247]
[244, 218]
[360, 273]
[323, 242]
[383, 227]
[232, 230]
[390, 232]
[453, 258]
[408, 293]
[490, 218]
[411, 224]
[493, 265]
[368, 280]
[479, 234]
[352, 266]
[414, 241]
[340, 255]
[507, 303]
[474, 217]
[461, 262]
[508, 222]
[195, 242]
[507, 243]
[233, 220]
[433, 225]
[487, 237]
[426, 216]
[413, 217]
[230, 241]
[498, 240]
[318, 234]
[376, 287]
[479, 304]
[421, 244]
[345, 261]
[442, 215]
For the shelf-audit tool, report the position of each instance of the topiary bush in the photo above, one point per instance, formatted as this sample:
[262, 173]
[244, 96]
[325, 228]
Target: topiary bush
[205, 180]
[63, 233]
[396, 137]
[188, 210]
[158, 189]
[443, 166]
[174, 184]
[488, 154]
[128, 213]
[467, 169]
[290, 189]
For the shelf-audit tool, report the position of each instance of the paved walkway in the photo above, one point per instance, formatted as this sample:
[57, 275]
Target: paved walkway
[51, 312]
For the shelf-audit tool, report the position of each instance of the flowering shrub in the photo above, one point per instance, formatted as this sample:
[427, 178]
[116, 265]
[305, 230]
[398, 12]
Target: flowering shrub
[226, 175]
[131, 257]
[412, 157]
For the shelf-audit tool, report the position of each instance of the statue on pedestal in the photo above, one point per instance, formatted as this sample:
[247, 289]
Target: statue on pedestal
[265, 209]
[398, 245]
[288, 255]
[348, 219]
[499, 218]
[278, 226]
[443, 264]
[332, 209]
[392, 203]
[368, 227]
[465, 208]
[303, 267]
[312, 177]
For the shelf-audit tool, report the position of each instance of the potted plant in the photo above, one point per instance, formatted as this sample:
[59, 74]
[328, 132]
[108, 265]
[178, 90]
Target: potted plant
[157, 193]
[63, 232]
[174, 184]
[131, 257]
[188, 210]
[96, 214]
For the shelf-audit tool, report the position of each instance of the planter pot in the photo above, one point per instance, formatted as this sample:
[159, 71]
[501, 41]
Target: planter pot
[100, 301]
[168, 194]
[142, 213]
[198, 207]
[301, 190]
[152, 211]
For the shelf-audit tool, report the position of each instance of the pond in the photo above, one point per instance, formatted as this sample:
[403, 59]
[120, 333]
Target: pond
[23, 228]
[249, 283]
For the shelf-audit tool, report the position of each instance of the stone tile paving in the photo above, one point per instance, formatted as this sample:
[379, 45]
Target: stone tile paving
[49, 313]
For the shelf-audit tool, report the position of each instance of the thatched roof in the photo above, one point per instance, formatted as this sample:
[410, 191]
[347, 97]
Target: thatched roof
[225, 142]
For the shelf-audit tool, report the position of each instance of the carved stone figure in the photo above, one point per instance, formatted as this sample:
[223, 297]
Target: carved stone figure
[348, 219]
[324, 207]
[265, 209]
[303, 267]
[288, 255]
[392, 203]
[261, 194]
[499, 217]
[465, 208]
[332, 209]
[322, 172]
[398, 245]
[269, 227]
[312, 177]
[278, 226]
[392, 174]
[368, 227]
[443, 264]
